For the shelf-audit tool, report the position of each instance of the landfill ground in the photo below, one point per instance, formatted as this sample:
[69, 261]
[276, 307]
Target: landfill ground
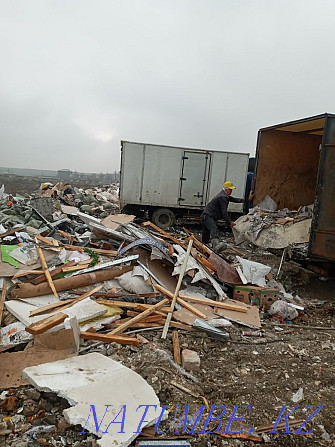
[263, 372]
[290, 364]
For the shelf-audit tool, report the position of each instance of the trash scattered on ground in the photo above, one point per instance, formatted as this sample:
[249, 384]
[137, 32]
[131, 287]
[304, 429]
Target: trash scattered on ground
[98, 308]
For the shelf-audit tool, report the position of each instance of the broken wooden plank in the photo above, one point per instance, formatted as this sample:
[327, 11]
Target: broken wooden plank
[122, 339]
[125, 304]
[164, 233]
[219, 304]
[80, 298]
[140, 324]
[56, 271]
[75, 268]
[53, 243]
[28, 272]
[2, 300]
[201, 247]
[47, 323]
[46, 269]
[67, 236]
[150, 319]
[176, 347]
[49, 307]
[100, 251]
[180, 301]
[279, 426]
[140, 317]
[11, 232]
[177, 289]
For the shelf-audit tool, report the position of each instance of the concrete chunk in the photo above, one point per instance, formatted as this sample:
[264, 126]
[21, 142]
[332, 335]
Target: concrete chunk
[190, 360]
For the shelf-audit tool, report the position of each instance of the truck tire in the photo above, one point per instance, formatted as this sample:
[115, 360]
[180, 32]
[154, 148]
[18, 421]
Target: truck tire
[163, 218]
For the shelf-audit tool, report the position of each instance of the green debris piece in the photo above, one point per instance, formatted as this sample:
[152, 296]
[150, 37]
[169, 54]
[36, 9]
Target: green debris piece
[94, 255]
[6, 257]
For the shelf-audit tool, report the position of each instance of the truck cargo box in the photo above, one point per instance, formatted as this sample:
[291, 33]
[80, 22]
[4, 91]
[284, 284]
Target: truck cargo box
[295, 165]
[176, 179]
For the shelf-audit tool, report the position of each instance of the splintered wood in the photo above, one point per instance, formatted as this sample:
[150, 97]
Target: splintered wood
[2, 300]
[47, 323]
[176, 347]
[46, 269]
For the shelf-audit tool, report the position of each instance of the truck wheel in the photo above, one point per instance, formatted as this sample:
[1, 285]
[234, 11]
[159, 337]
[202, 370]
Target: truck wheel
[163, 218]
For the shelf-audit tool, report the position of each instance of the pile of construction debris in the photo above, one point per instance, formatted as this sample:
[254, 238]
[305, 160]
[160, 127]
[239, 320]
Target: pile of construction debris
[265, 226]
[55, 203]
[82, 284]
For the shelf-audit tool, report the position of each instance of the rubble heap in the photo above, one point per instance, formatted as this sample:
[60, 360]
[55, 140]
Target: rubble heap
[82, 288]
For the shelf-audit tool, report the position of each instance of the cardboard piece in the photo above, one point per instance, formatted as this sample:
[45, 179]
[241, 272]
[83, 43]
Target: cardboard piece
[185, 316]
[113, 221]
[262, 297]
[250, 318]
[45, 348]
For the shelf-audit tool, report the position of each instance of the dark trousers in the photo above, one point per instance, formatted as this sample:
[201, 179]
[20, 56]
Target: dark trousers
[209, 228]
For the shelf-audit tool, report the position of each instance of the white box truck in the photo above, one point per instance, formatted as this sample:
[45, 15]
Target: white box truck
[170, 182]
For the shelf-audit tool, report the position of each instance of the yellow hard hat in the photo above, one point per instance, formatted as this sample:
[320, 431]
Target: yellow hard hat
[229, 185]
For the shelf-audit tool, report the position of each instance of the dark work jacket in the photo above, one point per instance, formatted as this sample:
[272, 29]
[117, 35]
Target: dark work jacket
[217, 207]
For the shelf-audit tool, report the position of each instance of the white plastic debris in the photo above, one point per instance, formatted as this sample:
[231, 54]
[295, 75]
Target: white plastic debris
[252, 272]
[283, 309]
[298, 396]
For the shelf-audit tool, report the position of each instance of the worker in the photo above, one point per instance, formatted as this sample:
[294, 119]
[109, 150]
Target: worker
[217, 209]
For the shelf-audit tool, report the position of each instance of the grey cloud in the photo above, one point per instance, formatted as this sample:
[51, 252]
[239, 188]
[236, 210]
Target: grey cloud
[77, 77]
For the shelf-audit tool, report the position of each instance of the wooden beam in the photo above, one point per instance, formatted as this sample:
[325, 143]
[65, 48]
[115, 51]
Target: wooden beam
[100, 251]
[123, 340]
[74, 268]
[2, 300]
[219, 304]
[176, 347]
[140, 317]
[80, 298]
[67, 236]
[180, 301]
[176, 292]
[141, 325]
[205, 263]
[138, 325]
[164, 233]
[28, 272]
[202, 247]
[150, 319]
[46, 269]
[10, 232]
[47, 323]
[56, 271]
[192, 309]
[46, 309]
[126, 305]
[46, 241]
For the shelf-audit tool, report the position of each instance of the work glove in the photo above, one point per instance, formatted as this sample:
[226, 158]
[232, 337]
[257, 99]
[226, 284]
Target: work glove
[251, 196]
[232, 224]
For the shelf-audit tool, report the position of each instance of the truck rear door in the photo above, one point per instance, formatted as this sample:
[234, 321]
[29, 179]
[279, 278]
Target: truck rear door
[194, 178]
[322, 241]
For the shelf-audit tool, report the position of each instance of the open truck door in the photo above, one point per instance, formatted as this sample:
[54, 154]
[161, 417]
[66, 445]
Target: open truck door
[322, 241]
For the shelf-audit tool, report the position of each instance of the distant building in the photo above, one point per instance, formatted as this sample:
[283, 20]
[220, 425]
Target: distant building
[64, 174]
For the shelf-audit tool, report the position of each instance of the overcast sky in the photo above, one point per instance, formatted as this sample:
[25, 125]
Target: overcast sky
[78, 76]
